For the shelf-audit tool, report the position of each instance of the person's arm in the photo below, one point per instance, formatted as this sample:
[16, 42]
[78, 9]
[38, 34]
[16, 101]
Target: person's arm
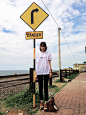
[50, 65]
[35, 71]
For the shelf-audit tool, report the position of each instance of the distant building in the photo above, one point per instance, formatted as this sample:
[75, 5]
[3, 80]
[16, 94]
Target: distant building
[69, 68]
[81, 67]
[65, 68]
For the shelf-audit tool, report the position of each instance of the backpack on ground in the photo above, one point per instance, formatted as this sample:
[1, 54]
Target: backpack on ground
[51, 105]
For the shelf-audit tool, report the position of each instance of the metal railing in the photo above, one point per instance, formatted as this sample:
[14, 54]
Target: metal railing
[65, 73]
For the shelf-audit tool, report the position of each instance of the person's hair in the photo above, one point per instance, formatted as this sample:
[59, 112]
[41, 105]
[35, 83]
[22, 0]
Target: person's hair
[44, 45]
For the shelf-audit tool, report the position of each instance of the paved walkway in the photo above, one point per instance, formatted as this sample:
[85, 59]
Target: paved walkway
[71, 100]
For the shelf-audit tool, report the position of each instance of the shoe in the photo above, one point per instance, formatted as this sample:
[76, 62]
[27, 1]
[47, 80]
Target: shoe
[46, 107]
[41, 105]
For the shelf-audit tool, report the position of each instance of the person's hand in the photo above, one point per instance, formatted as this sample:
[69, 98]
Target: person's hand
[36, 76]
[50, 75]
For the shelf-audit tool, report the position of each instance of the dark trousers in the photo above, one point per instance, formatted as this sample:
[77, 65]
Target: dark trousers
[40, 81]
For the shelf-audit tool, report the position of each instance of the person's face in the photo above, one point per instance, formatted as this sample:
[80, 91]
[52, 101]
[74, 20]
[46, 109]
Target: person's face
[43, 48]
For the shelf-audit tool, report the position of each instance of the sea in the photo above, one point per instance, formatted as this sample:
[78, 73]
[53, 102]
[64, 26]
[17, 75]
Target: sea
[12, 72]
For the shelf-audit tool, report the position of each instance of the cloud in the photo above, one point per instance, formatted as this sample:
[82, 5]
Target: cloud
[17, 52]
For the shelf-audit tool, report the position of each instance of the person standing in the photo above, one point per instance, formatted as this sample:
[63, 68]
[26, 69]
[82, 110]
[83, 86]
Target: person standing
[43, 69]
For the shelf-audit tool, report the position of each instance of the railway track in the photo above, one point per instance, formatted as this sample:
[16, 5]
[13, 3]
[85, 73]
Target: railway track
[15, 83]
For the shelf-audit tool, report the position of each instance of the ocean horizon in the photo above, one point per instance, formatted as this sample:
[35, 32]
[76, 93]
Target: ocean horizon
[12, 72]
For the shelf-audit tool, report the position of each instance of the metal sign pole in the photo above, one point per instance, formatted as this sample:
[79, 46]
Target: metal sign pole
[34, 72]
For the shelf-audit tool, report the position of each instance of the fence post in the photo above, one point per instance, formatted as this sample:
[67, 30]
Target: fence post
[69, 72]
[73, 71]
[31, 79]
[50, 80]
[60, 75]
[66, 73]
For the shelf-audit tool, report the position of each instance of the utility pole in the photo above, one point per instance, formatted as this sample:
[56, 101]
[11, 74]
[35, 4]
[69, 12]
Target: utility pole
[59, 52]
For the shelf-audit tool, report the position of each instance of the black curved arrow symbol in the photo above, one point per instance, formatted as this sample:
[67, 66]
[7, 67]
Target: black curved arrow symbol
[35, 10]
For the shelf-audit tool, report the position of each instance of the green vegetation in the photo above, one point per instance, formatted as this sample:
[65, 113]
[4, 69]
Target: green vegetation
[58, 80]
[2, 113]
[56, 89]
[84, 62]
[72, 76]
[24, 100]
[68, 77]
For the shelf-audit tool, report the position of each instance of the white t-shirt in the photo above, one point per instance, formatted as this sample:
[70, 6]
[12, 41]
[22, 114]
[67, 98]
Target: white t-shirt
[42, 66]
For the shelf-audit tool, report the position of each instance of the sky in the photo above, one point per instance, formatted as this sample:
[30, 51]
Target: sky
[16, 53]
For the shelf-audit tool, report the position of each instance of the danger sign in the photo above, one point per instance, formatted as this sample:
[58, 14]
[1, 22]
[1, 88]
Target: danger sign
[34, 35]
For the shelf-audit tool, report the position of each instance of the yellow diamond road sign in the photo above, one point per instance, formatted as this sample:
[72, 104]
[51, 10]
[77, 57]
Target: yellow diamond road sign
[34, 16]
